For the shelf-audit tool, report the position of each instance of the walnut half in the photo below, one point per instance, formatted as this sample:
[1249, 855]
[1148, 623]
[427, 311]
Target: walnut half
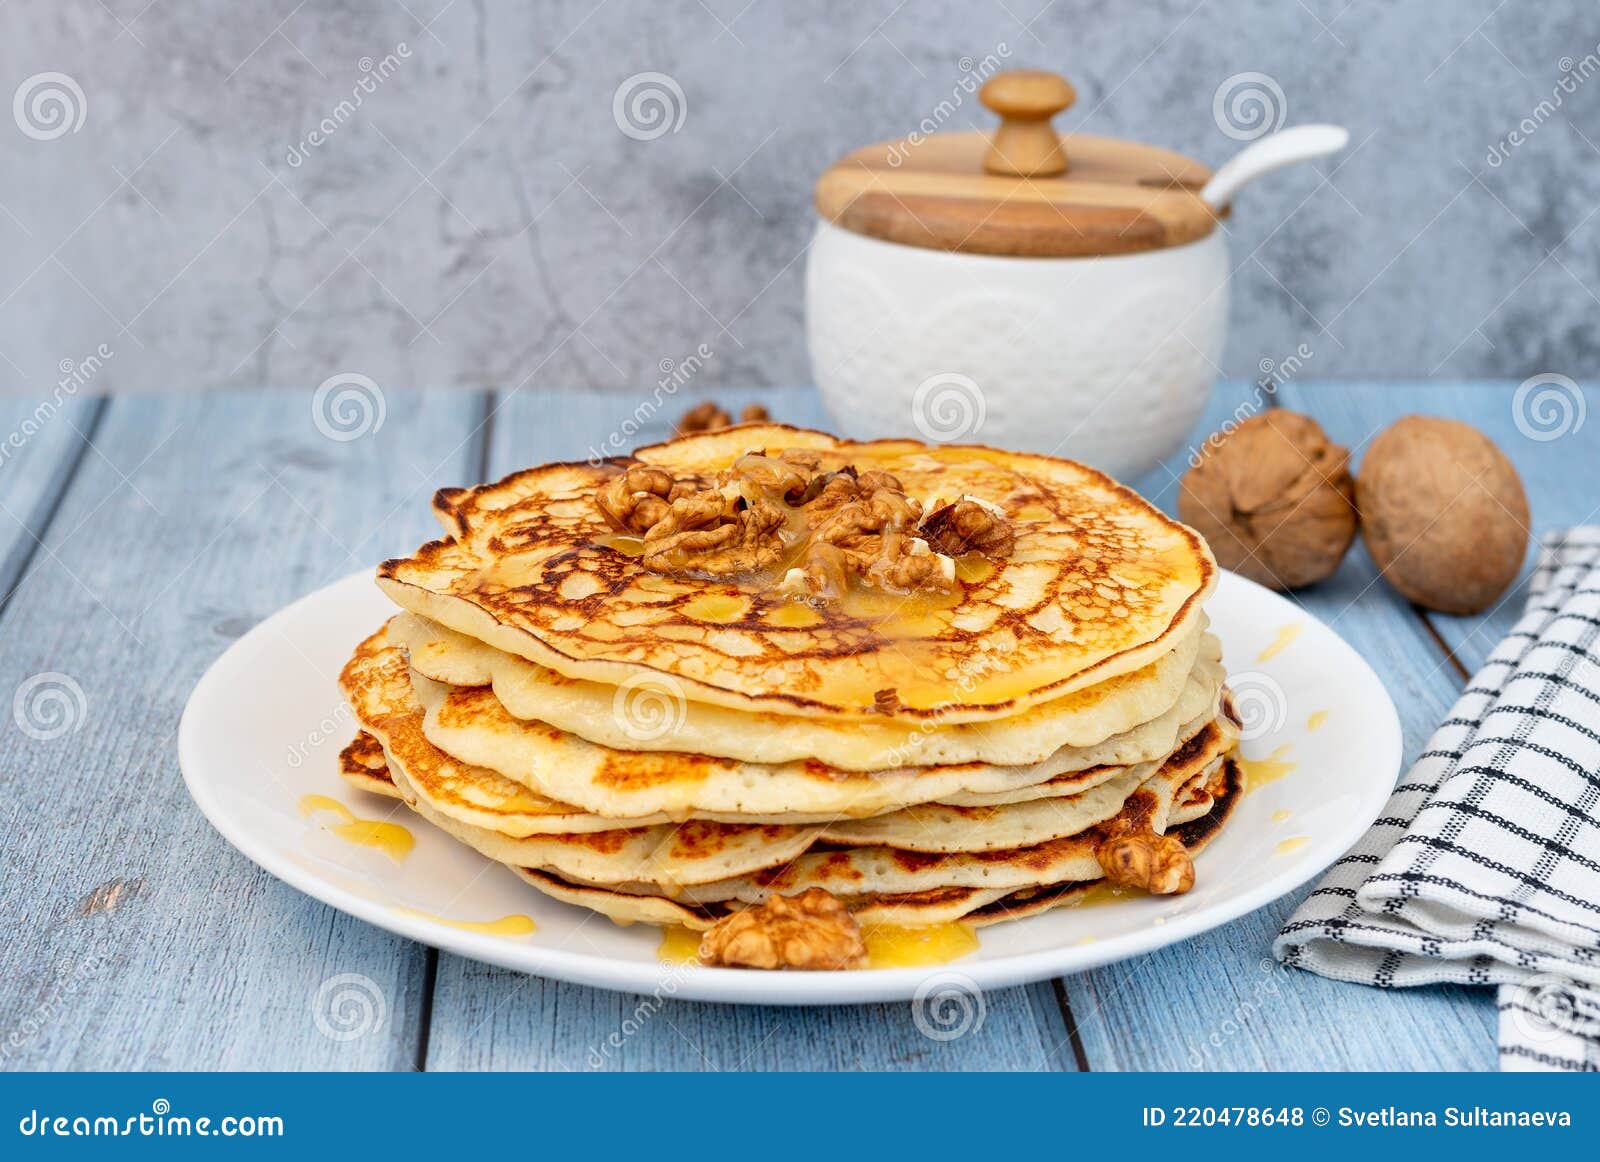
[969, 526]
[1132, 854]
[812, 930]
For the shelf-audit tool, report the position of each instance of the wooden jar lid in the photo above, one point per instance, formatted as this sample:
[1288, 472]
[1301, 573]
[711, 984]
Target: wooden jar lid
[1022, 190]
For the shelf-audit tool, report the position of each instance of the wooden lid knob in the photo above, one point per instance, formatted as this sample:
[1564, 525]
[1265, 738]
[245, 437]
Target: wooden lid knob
[1026, 144]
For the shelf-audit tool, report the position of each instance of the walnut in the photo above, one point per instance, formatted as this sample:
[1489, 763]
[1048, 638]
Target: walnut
[812, 930]
[709, 534]
[703, 417]
[906, 564]
[1443, 513]
[969, 527]
[762, 475]
[772, 508]
[823, 570]
[708, 417]
[1131, 853]
[1273, 499]
[638, 499]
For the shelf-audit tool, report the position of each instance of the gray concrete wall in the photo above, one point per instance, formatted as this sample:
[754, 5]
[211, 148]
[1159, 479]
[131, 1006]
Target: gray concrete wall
[480, 219]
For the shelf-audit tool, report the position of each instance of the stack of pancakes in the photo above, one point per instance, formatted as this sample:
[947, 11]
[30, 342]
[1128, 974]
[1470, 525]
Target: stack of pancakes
[640, 727]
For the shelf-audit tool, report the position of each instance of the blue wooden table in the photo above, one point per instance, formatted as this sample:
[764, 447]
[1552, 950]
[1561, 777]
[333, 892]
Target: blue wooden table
[140, 535]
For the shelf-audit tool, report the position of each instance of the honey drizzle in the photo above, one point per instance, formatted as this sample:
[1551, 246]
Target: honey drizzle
[390, 838]
[1285, 638]
[512, 925]
[1259, 772]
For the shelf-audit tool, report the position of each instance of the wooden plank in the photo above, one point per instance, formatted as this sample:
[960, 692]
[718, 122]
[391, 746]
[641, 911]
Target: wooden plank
[1219, 1001]
[41, 444]
[485, 1018]
[137, 939]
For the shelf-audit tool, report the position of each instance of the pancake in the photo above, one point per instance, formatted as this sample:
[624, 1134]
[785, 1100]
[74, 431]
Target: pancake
[1098, 584]
[940, 827]
[883, 869]
[912, 909]
[667, 855]
[1196, 830]
[975, 906]
[363, 765]
[471, 725]
[377, 684]
[651, 718]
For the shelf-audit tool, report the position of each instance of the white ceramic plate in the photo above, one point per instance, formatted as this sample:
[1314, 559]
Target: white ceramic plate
[265, 725]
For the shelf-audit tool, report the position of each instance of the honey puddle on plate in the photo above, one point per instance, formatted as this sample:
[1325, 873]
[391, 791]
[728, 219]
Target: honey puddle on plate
[1104, 893]
[1285, 638]
[1281, 814]
[902, 946]
[1292, 844]
[1259, 772]
[1317, 719]
[390, 838]
[679, 945]
[888, 945]
[513, 925]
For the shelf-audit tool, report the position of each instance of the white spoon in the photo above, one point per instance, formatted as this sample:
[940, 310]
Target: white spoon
[1302, 143]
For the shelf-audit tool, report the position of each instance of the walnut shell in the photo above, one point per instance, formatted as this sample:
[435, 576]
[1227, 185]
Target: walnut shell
[1273, 499]
[1443, 513]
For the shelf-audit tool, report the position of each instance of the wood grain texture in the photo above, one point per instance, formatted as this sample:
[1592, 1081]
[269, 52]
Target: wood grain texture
[486, 1018]
[1219, 1001]
[41, 445]
[143, 941]
[1117, 197]
[137, 938]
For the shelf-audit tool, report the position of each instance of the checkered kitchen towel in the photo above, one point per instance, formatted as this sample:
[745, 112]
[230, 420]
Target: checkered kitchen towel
[1485, 867]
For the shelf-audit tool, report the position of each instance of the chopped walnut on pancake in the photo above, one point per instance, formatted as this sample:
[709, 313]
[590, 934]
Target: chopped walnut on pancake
[812, 930]
[970, 526]
[829, 528]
